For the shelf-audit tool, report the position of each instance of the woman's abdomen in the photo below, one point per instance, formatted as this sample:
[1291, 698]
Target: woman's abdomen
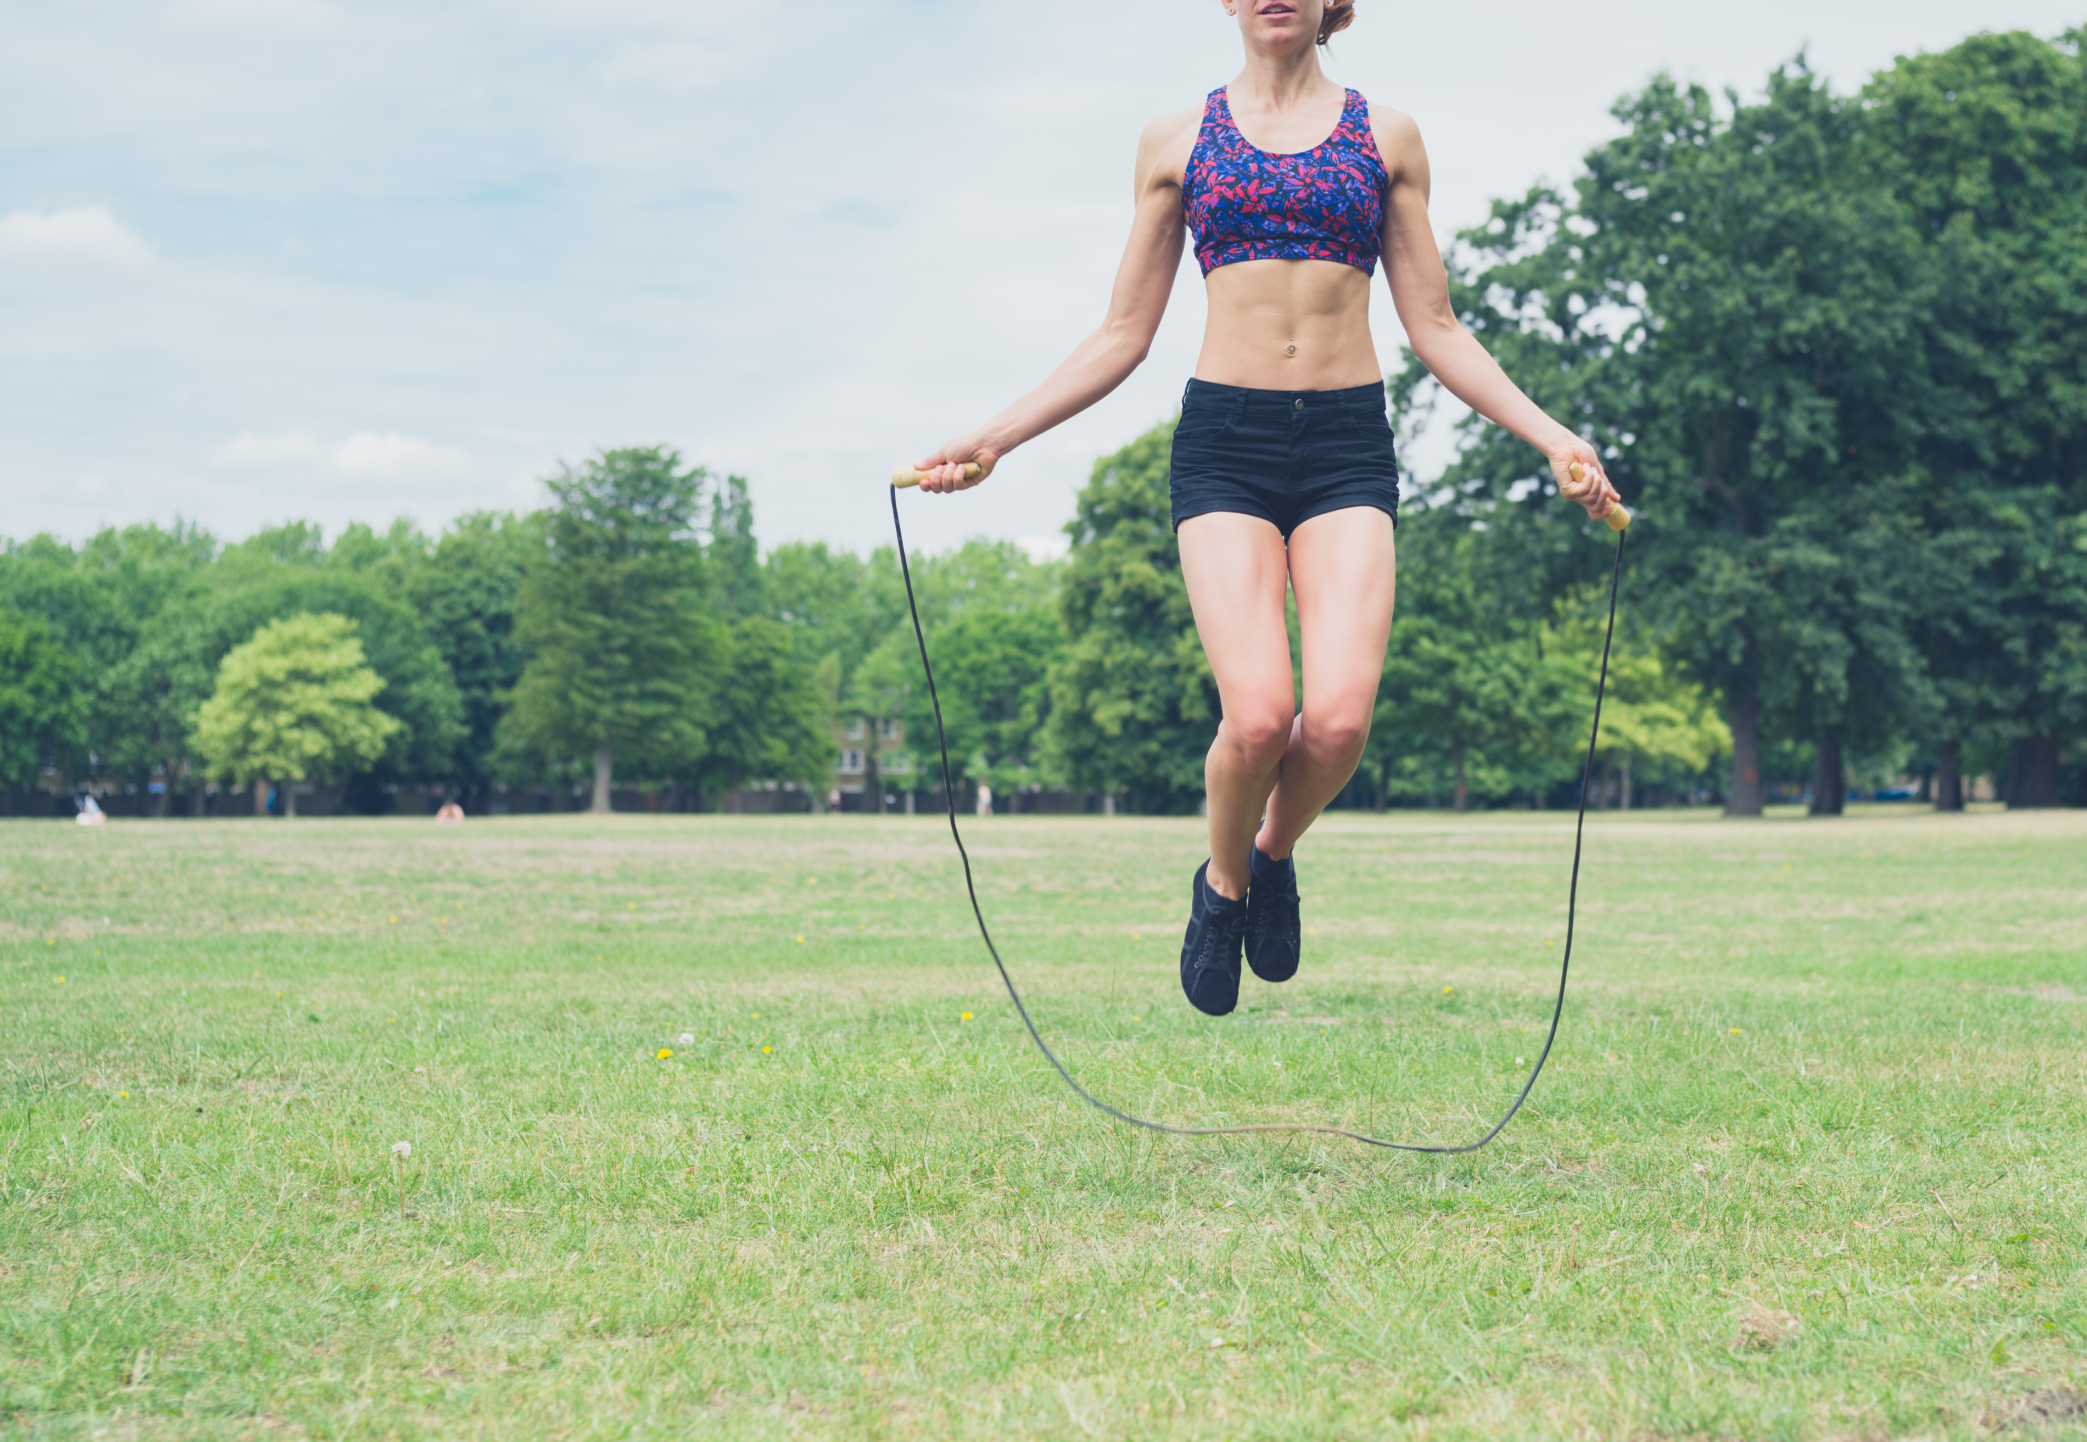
[1288, 325]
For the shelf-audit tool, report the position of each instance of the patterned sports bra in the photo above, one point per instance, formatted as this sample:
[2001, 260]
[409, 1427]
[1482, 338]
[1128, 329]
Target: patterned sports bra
[1326, 203]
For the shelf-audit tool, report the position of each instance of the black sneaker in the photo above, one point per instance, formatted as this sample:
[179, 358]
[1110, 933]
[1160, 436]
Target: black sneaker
[1272, 940]
[1210, 951]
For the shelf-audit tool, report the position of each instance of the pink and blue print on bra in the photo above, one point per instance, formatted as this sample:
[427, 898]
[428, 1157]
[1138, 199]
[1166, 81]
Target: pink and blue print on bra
[1326, 203]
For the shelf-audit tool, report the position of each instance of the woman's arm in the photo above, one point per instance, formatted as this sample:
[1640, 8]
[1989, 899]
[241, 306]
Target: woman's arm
[1420, 293]
[1101, 362]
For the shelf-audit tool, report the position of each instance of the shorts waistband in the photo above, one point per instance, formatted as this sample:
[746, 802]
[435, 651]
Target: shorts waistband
[1351, 395]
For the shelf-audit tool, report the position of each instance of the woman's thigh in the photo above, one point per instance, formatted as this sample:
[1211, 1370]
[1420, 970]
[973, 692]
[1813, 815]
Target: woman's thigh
[1236, 570]
[1344, 568]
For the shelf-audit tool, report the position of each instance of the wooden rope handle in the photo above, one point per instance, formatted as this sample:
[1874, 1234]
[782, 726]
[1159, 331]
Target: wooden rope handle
[1617, 517]
[904, 476]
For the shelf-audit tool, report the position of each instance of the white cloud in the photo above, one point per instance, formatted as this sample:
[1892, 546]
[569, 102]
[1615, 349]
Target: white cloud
[364, 454]
[249, 17]
[367, 453]
[289, 448]
[86, 235]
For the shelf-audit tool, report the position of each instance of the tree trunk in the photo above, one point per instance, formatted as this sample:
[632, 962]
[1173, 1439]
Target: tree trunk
[1743, 798]
[872, 779]
[1829, 783]
[1949, 777]
[2032, 778]
[1456, 750]
[289, 800]
[604, 758]
[1623, 796]
[260, 797]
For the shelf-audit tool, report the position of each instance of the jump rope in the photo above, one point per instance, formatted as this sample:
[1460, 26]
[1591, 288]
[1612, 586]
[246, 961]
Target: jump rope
[1618, 518]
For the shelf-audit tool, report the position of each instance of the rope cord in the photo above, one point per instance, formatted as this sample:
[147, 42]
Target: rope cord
[1015, 996]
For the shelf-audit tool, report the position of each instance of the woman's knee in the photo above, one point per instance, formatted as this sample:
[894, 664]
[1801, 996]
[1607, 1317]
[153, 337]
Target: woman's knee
[1258, 735]
[1339, 731]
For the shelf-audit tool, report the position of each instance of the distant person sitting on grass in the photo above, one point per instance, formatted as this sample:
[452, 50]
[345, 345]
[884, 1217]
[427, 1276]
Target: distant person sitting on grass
[1282, 470]
[451, 814]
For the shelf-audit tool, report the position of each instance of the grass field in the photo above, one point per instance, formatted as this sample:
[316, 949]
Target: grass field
[1810, 1161]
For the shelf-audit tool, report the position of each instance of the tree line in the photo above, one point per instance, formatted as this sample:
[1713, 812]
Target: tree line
[1827, 344]
[1830, 347]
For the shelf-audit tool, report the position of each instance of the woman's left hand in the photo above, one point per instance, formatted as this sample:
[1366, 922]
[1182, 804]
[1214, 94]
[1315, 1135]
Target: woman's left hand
[1590, 487]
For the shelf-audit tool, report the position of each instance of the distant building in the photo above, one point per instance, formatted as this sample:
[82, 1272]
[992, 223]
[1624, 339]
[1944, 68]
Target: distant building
[874, 761]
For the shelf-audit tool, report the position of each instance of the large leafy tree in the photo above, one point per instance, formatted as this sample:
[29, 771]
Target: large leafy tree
[994, 631]
[1985, 144]
[101, 601]
[624, 652]
[1133, 703]
[293, 704]
[772, 722]
[466, 594]
[1462, 695]
[253, 585]
[41, 704]
[1732, 307]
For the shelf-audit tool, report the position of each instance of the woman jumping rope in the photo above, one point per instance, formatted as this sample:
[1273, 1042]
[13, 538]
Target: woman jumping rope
[1282, 472]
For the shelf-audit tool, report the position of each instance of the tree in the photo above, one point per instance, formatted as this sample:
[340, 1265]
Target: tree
[1656, 725]
[734, 555]
[466, 595]
[770, 722]
[994, 632]
[253, 584]
[1133, 703]
[624, 656]
[293, 704]
[1461, 674]
[1986, 145]
[41, 704]
[101, 601]
[835, 603]
[1733, 306]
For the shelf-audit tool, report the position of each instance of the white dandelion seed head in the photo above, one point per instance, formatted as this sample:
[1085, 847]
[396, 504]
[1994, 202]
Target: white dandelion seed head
[688, 1038]
[402, 1149]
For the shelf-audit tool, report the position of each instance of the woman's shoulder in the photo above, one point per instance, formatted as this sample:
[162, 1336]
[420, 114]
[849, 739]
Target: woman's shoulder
[1167, 143]
[1170, 129]
[1397, 134]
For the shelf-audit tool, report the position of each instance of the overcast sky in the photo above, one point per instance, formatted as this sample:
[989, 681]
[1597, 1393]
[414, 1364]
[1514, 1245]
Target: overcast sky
[355, 259]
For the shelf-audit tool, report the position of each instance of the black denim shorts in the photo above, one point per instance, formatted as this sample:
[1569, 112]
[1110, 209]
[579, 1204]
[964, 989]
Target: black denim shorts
[1285, 456]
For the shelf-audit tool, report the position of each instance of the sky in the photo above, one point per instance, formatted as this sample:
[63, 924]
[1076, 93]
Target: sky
[339, 260]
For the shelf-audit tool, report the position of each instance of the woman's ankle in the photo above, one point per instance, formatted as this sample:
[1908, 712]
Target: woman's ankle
[1231, 888]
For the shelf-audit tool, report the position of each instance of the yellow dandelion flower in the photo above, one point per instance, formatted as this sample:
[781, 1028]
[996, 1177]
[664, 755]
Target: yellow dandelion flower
[766, 1050]
[757, 1016]
[123, 1094]
[665, 1052]
[1133, 1018]
[61, 979]
[1737, 1032]
[1447, 990]
[800, 939]
[966, 1016]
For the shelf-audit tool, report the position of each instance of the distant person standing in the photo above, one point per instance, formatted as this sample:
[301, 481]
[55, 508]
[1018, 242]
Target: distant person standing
[985, 799]
[1283, 474]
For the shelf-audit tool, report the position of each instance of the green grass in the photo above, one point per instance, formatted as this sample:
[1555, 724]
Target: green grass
[1810, 1160]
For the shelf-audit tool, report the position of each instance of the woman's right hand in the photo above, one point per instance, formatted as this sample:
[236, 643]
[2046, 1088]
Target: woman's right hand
[944, 470]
